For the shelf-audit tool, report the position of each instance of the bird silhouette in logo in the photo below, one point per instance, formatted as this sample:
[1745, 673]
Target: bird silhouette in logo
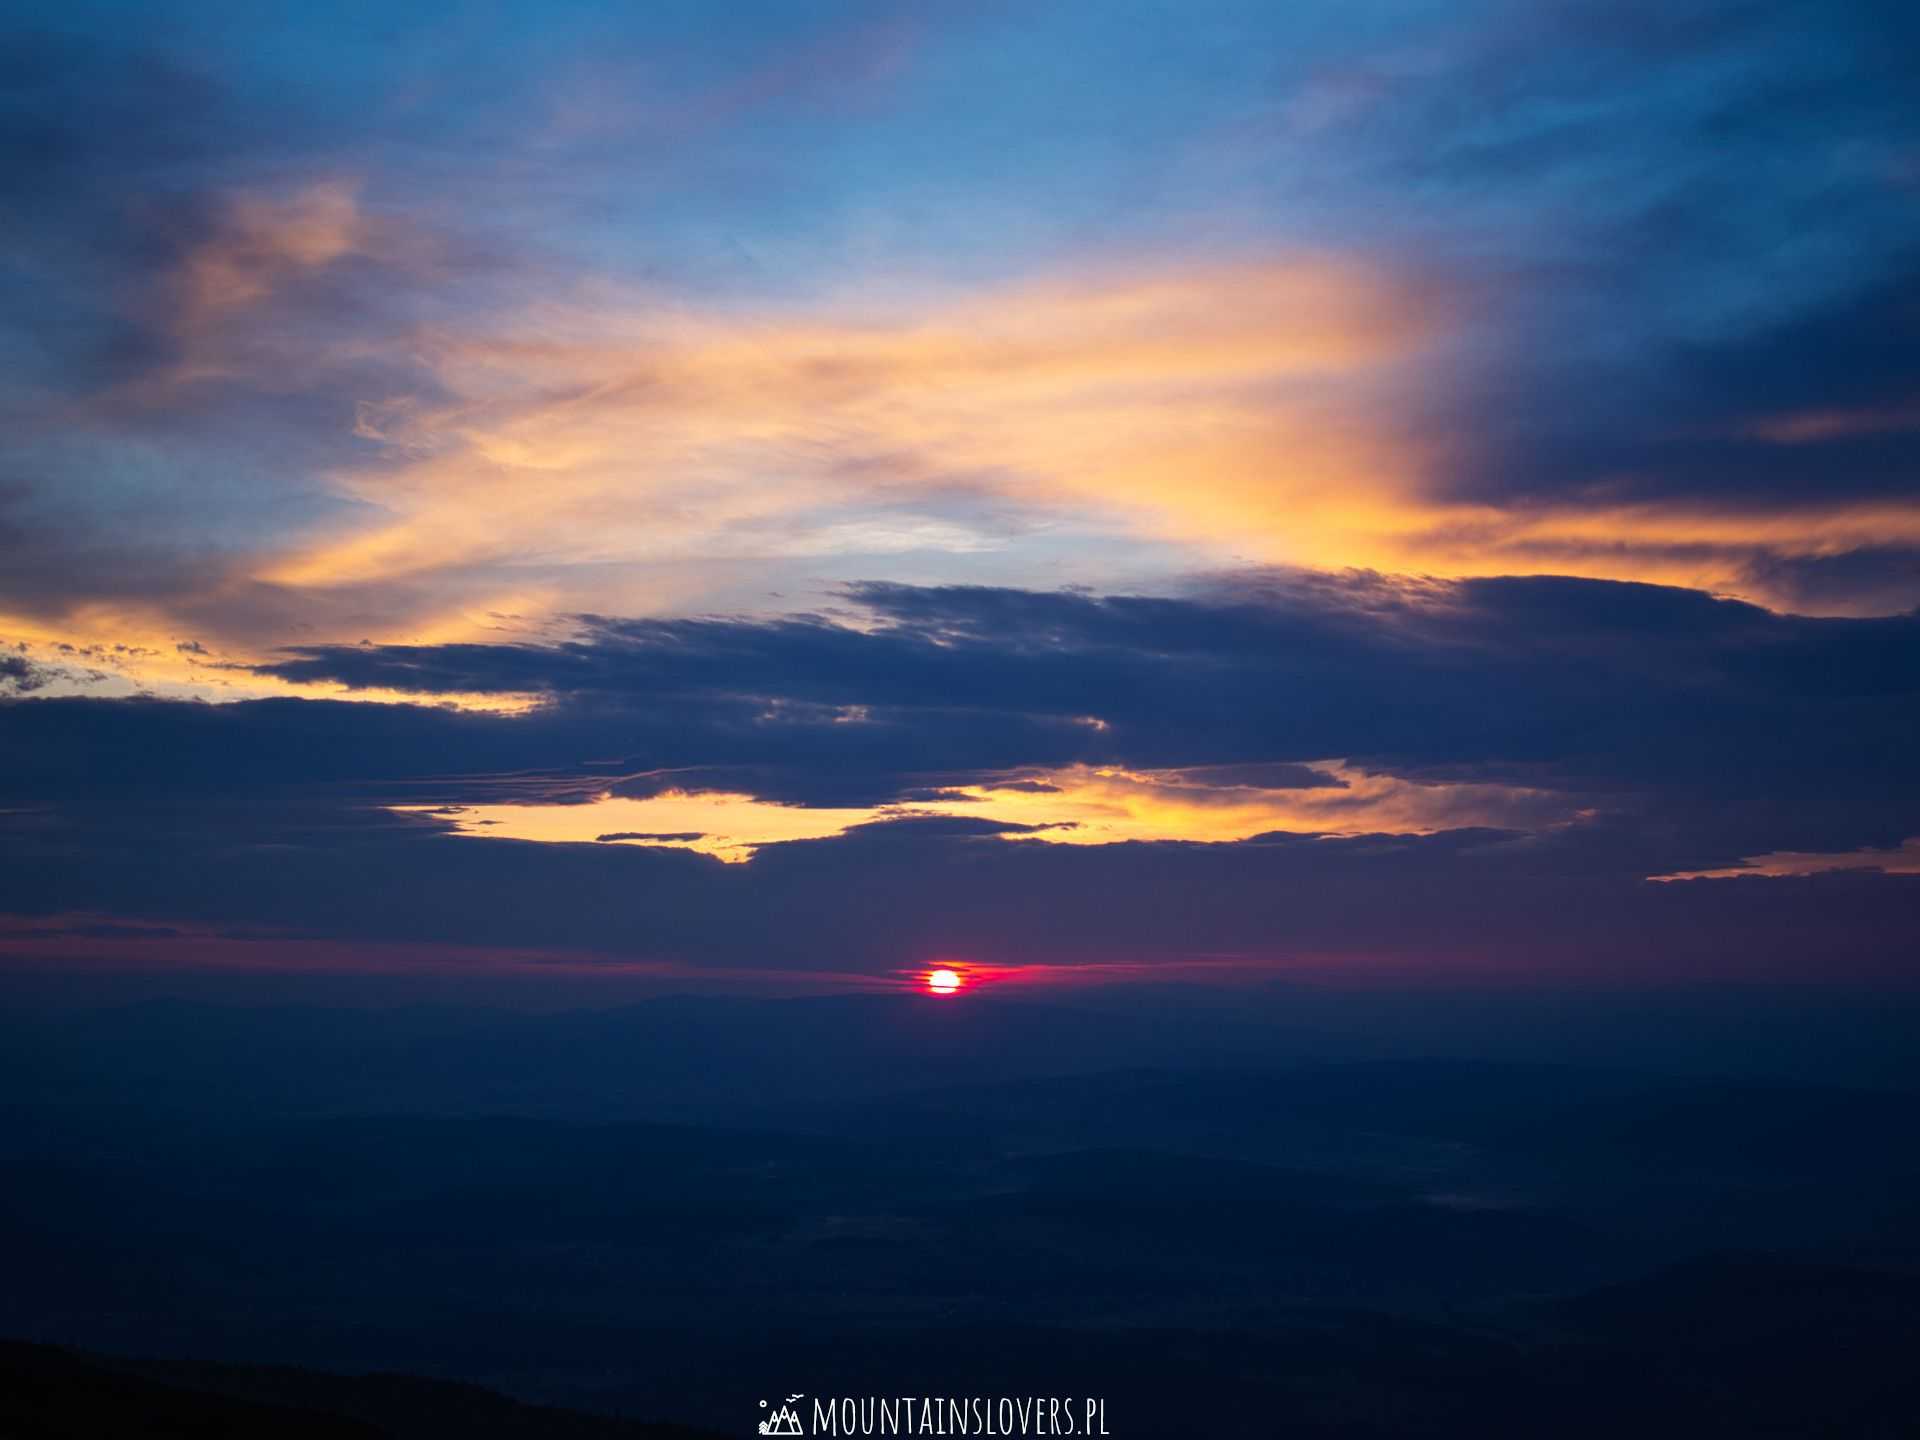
[783, 1421]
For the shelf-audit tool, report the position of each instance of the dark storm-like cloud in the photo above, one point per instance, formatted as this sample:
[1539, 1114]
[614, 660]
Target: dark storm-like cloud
[1717, 714]
[1729, 191]
[1816, 406]
[895, 894]
[1710, 729]
[1688, 731]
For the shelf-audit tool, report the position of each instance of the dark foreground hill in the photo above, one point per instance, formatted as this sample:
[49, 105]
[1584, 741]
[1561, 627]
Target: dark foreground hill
[1405, 1248]
[1721, 1348]
[48, 1393]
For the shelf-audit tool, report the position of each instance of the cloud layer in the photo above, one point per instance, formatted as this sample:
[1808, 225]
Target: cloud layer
[1518, 760]
[1372, 488]
[455, 335]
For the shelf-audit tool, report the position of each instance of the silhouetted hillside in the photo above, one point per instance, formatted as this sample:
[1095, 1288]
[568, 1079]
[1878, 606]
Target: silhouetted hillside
[47, 1393]
[1390, 1248]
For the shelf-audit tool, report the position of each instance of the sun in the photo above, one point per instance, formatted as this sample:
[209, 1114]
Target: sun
[943, 982]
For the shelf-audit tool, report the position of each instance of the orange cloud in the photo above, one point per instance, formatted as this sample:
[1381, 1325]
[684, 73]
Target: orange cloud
[1246, 413]
[1903, 859]
[264, 238]
[607, 450]
[108, 651]
[624, 433]
[1813, 427]
[1072, 805]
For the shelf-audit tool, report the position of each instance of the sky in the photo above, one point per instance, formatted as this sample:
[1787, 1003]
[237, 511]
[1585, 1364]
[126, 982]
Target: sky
[796, 494]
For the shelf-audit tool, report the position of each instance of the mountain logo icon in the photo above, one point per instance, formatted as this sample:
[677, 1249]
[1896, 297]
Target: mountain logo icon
[782, 1421]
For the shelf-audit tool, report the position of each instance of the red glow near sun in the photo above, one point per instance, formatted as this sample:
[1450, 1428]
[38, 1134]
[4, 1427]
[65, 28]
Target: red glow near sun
[944, 982]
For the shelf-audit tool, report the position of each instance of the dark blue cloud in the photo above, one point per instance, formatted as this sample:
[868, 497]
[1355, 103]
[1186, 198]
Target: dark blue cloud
[1768, 731]
[1711, 421]
[1674, 222]
[1692, 731]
